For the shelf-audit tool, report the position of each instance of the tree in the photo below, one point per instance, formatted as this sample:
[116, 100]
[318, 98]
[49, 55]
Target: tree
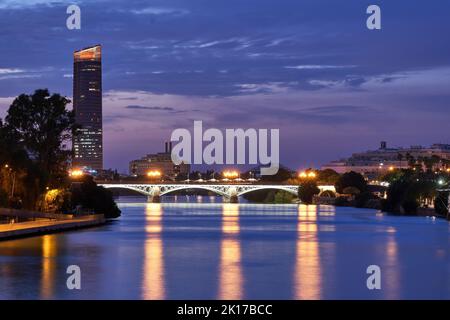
[405, 194]
[283, 174]
[400, 158]
[411, 160]
[392, 176]
[39, 125]
[93, 197]
[441, 204]
[307, 190]
[283, 197]
[328, 176]
[351, 179]
[351, 190]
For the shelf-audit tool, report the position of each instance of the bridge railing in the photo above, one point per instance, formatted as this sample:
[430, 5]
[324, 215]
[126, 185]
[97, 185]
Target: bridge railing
[193, 182]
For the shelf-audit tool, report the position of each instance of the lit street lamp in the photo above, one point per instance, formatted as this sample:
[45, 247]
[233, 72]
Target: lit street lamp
[154, 174]
[76, 173]
[231, 174]
[307, 175]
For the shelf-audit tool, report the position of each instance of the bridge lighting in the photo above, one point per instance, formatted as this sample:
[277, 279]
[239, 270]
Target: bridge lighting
[76, 173]
[231, 174]
[311, 175]
[307, 175]
[303, 174]
[154, 174]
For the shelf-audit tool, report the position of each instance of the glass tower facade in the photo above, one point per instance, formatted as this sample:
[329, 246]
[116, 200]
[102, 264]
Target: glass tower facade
[87, 104]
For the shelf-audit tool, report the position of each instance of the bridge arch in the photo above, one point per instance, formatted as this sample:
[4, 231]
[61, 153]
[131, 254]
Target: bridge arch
[290, 190]
[327, 193]
[225, 190]
[127, 187]
[217, 191]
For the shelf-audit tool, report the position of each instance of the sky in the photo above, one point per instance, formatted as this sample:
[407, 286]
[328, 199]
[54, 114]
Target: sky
[309, 68]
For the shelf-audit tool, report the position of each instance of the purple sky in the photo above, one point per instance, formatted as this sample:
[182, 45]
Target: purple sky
[310, 68]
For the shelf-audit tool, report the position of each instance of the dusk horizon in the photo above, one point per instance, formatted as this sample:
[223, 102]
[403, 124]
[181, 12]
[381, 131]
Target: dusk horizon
[314, 71]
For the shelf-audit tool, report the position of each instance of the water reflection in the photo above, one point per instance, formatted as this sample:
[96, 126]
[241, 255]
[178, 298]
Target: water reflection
[307, 277]
[49, 254]
[230, 277]
[392, 275]
[153, 287]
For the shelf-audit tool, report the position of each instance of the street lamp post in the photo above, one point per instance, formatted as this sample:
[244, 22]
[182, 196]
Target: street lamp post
[13, 183]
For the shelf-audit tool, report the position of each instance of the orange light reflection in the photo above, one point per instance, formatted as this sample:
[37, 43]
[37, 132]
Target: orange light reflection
[230, 278]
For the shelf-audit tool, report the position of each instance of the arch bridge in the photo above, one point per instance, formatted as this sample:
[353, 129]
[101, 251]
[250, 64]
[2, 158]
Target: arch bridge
[229, 191]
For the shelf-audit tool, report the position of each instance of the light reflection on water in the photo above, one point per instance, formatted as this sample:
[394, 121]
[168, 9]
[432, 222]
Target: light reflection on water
[153, 272]
[307, 262]
[234, 251]
[230, 278]
[49, 252]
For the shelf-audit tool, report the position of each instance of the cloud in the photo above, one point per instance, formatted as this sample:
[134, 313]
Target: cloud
[160, 11]
[19, 4]
[10, 70]
[270, 87]
[21, 76]
[150, 108]
[318, 67]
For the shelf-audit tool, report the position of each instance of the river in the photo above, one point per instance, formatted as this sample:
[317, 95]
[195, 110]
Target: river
[208, 250]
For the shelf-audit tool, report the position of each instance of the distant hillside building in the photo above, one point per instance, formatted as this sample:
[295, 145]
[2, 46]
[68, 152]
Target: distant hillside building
[160, 161]
[385, 159]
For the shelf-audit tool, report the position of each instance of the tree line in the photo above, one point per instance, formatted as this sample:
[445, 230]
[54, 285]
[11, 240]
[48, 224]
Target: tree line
[35, 158]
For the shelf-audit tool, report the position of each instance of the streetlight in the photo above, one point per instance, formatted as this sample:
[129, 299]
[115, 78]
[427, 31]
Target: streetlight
[154, 174]
[231, 174]
[76, 173]
[307, 175]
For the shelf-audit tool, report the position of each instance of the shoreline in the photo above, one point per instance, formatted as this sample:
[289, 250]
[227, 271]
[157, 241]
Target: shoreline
[42, 226]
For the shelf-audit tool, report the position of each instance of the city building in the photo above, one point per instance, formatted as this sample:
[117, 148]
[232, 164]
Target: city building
[372, 163]
[87, 104]
[160, 162]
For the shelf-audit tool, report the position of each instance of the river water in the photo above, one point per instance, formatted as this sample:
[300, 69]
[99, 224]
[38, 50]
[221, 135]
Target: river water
[209, 250]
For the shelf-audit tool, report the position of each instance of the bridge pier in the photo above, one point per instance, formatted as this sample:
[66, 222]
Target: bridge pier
[232, 195]
[230, 199]
[154, 199]
[155, 195]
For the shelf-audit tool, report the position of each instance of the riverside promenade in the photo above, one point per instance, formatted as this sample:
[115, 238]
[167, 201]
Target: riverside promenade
[43, 223]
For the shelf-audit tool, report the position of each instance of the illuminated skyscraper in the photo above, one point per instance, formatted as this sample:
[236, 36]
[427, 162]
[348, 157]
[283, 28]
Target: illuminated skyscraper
[87, 103]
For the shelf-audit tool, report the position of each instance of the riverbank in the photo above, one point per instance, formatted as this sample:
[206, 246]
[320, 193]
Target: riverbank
[43, 223]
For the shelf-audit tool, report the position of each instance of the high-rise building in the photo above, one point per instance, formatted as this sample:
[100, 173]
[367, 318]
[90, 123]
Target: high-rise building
[87, 104]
